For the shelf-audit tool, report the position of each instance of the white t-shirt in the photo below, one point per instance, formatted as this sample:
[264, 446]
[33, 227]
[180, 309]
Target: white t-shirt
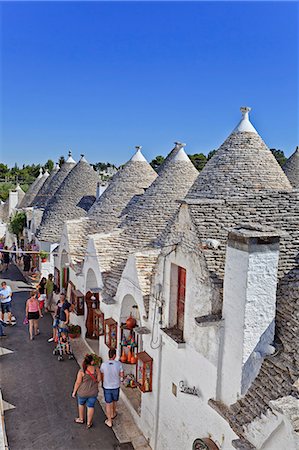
[111, 370]
[6, 294]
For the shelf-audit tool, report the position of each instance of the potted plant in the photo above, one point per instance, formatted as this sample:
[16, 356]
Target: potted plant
[74, 331]
[43, 256]
[96, 359]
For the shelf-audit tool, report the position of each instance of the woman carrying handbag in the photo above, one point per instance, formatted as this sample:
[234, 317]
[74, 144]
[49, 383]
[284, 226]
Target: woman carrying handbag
[86, 387]
[33, 314]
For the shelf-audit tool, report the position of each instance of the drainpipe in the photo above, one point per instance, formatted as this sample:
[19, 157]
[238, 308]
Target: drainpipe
[157, 409]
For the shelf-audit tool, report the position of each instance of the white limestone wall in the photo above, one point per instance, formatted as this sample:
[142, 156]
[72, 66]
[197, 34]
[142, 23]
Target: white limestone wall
[185, 417]
[248, 311]
[276, 429]
[3, 227]
[13, 200]
[170, 421]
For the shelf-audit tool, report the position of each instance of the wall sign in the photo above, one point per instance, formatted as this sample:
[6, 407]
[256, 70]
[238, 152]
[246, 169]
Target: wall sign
[188, 389]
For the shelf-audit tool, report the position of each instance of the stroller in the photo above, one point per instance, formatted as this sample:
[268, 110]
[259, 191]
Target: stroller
[63, 346]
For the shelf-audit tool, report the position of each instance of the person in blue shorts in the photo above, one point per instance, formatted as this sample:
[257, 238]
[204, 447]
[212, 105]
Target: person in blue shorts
[112, 374]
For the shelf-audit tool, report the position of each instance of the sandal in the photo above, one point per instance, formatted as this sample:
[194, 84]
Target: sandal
[78, 420]
[89, 425]
[106, 423]
[114, 416]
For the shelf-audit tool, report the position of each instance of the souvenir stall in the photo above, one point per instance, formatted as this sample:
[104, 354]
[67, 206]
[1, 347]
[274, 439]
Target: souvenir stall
[137, 363]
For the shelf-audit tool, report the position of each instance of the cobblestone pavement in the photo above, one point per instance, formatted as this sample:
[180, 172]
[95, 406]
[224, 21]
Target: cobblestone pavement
[39, 386]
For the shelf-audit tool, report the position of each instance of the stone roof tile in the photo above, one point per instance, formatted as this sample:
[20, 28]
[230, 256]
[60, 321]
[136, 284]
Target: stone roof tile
[242, 164]
[71, 201]
[34, 190]
[54, 184]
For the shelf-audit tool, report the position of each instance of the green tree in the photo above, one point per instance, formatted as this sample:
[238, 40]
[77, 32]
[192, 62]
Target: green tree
[4, 190]
[211, 154]
[17, 224]
[61, 160]
[279, 155]
[156, 163]
[199, 160]
[49, 165]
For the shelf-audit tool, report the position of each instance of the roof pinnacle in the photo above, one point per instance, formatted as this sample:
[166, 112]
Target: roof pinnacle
[179, 145]
[138, 155]
[245, 125]
[70, 158]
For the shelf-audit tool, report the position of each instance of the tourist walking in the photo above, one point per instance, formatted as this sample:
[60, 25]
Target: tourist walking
[42, 292]
[2, 324]
[64, 313]
[33, 314]
[27, 262]
[5, 258]
[56, 319]
[5, 297]
[13, 254]
[49, 292]
[86, 387]
[112, 374]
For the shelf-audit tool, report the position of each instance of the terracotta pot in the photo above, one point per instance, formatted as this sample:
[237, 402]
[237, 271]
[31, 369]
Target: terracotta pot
[133, 359]
[73, 336]
[129, 355]
[123, 357]
[131, 322]
[44, 259]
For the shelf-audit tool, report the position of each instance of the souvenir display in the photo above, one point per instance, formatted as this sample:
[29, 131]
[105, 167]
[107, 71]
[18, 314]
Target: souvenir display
[144, 372]
[110, 333]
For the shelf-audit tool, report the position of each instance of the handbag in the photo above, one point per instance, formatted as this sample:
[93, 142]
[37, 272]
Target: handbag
[25, 321]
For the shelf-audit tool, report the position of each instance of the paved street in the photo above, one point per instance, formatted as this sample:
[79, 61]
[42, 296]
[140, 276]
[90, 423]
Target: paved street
[40, 388]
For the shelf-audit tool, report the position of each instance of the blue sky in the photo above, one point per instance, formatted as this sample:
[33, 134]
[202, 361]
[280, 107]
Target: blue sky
[100, 78]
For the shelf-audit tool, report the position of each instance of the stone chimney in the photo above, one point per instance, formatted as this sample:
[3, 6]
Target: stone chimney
[249, 305]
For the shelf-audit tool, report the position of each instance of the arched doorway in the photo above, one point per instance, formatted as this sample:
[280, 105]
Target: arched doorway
[130, 345]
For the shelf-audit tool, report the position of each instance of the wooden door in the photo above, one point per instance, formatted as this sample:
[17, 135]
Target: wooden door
[181, 298]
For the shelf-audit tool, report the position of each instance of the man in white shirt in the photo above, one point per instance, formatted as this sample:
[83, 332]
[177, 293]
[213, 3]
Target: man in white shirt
[112, 374]
[5, 297]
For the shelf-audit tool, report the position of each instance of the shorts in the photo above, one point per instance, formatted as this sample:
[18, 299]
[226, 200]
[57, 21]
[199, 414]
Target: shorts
[111, 395]
[55, 322]
[33, 315]
[41, 303]
[6, 307]
[90, 401]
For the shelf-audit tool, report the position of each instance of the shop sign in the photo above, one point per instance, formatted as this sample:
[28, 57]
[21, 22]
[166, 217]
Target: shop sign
[188, 389]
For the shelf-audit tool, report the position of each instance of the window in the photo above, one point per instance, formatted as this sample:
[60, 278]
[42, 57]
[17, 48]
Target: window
[175, 327]
[181, 298]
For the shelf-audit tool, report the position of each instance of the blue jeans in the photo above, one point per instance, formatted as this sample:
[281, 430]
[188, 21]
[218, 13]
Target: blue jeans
[90, 401]
[111, 395]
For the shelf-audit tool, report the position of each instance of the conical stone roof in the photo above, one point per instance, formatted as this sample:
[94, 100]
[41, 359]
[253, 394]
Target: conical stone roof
[291, 168]
[151, 212]
[130, 181]
[241, 165]
[56, 182]
[72, 200]
[147, 218]
[177, 147]
[34, 189]
[42, 196]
